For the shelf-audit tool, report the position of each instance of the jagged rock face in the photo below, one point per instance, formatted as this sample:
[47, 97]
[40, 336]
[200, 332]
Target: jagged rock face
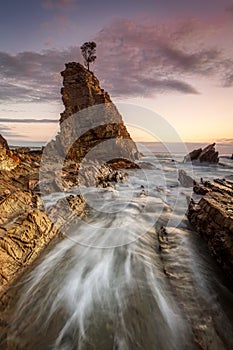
[7, 162]
[90, 118]
[21, 242]
[212, 217]
[16, 203]
[3, 142]
[205, 155]
[81, 90]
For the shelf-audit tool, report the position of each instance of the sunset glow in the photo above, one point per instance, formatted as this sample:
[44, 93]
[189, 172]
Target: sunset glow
[176, 60]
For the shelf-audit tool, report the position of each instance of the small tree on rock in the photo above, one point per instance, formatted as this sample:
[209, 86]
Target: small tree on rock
[88, 51]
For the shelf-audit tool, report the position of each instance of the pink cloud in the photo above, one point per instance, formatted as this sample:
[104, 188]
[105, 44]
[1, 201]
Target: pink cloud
[133, 59]
[141, 59]
[59, 22]
[54, 4]
[48, 42]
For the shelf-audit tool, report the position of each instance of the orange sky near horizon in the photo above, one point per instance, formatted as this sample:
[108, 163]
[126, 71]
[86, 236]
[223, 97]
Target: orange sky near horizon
[175, 61]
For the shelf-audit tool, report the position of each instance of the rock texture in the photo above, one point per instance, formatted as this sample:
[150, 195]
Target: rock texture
[16, 203]
[205, 155]
[3, 143]
[90, 125]
[212, 217]
[25, 227]
[66, 211]
[21, 242]
[184, 179]
[90, 119]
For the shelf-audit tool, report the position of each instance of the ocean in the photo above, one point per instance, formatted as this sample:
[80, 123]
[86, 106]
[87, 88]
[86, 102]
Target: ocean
[109, 285]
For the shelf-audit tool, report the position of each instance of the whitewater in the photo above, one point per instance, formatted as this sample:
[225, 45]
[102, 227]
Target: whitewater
[114, 283]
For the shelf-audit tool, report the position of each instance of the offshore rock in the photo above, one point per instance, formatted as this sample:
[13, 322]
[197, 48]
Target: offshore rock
[212, 217]
[205, 155]
[90, 122]
[184, 179]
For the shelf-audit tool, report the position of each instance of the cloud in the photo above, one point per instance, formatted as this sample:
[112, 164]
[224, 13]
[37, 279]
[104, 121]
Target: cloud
[229, 9]
[225, 140]
[228, 82]
[27, 121]
[58, 4]
[4, 129]
[48, 42]
[32, 76]
[60, 18]
[143, 86]
[144, 58]
[133, 59]
[8, 132]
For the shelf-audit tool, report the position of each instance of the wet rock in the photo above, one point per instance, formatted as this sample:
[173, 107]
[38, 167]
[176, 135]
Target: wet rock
[106, 184]
[200, 189]
[21, 243]
[205, 155]
[66, 211]
[212, 217]
[193, 155]
[184, 179]
[146, 165]
[95, 174]
[121, 163]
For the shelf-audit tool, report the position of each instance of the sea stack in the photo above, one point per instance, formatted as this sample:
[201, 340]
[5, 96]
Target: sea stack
[90, 121]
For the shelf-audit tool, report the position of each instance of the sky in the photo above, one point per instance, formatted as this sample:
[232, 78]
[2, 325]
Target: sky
[173, 58]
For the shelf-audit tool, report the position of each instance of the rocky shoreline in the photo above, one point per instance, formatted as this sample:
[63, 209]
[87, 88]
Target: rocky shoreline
[212, 218]
[26, 227]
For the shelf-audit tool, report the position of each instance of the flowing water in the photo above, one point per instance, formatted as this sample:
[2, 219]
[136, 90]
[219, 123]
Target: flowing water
[114, 283]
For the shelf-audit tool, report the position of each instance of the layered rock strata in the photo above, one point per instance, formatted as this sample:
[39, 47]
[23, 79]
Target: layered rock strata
[212, 218]
[90, 120]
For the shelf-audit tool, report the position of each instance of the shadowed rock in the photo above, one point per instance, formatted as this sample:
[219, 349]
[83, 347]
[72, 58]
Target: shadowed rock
[212, 217]
[3, 143]
[205, 155]
[184, 179]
